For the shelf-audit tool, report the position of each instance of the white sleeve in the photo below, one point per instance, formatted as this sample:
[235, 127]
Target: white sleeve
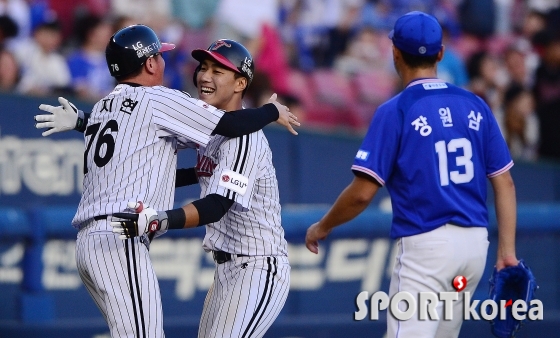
[177, 114]
[237, 170]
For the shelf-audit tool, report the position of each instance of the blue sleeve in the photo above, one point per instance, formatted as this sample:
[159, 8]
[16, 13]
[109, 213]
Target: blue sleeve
[378, 152]
[78, 67]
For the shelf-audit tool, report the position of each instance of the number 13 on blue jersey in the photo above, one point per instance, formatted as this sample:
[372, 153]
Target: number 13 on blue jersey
[464, 160]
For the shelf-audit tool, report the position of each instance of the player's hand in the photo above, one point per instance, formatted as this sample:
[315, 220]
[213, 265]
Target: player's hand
[508, 260]
[61, 118]
[285, 118]
[314, 234]
[143, 221]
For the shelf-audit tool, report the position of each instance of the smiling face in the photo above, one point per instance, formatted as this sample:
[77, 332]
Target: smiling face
[219, 86]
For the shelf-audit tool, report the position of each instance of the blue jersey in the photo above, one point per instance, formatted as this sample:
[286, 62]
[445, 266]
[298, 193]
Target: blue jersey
[433, 146]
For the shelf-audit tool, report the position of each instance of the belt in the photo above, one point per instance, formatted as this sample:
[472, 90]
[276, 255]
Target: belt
[222, 256]
[100, 217]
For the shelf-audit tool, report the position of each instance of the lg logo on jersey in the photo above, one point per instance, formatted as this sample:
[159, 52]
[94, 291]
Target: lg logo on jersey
[234, 181]
[226, 178]
[425, 305]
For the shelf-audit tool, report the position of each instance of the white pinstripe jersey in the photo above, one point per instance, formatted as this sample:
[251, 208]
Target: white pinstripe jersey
[241, 169]
[131, 143]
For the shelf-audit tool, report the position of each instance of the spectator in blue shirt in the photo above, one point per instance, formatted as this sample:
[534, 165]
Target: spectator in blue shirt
[90, 77]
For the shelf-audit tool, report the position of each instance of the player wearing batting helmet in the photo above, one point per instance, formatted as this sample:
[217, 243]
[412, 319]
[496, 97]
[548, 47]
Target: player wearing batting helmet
[229, 54]
[239, 204]
[434, 146]
[131, 140]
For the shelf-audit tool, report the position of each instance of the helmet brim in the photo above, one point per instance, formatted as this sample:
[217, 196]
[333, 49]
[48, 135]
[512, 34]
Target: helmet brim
[202, 54]
[166, 47]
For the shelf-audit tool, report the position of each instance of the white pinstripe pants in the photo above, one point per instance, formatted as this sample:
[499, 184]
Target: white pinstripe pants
[247, 295]
[119, 276]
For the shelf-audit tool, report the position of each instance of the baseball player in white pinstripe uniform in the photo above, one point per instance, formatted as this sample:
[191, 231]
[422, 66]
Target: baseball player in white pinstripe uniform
[240, 205]
[131, 139]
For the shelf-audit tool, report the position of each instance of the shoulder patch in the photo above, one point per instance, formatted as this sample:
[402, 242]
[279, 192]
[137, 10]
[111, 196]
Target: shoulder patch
[231, 180]
[362, 155]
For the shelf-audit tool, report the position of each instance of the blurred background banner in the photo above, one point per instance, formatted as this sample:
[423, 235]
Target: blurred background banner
[43, 294]
[330, 61]
[36, 170]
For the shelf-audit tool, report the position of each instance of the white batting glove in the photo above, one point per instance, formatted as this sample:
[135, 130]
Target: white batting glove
[62, 118]
[144, 220]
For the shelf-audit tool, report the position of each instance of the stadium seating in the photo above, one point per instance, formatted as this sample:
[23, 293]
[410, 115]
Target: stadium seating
[374, 87]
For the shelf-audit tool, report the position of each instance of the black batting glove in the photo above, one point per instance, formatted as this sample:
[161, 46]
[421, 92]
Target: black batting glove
[144, 220]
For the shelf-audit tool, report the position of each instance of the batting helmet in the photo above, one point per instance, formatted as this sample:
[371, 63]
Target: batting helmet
[130, 47]
[230, 54]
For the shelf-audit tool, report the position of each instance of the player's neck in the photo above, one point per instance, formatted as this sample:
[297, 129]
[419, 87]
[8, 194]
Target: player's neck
[410, 74]
[231, 105]
[144, 80]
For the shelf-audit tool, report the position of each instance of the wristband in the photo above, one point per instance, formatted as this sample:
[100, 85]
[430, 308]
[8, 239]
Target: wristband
[173, 219]
[81, 121]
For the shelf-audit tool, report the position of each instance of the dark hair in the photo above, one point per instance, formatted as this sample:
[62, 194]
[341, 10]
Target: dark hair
[8, 26]
[512, 93]
[474, 63]
[85, 25]
[135, 73]
[290, 100]
[418, 61]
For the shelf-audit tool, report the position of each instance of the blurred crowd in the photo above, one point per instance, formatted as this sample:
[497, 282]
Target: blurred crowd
[329, 60]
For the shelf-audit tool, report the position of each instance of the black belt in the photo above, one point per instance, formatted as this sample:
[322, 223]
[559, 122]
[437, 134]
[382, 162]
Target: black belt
[100, 217]
[222, 256]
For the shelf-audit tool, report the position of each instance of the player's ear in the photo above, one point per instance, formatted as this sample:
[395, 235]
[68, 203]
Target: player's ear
[151, 65]
[240, 84]
[396, 52]
[440, 53]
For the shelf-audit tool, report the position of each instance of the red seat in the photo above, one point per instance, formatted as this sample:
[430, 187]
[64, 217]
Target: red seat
[327, 99]
[361, 116]
[300, 87]
[374, 87]
[332, 88]
[318, 115]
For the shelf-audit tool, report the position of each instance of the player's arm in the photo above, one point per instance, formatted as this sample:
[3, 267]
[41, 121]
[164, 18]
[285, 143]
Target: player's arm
[206, 210]
[505, 204]
[185, 177]
[349, 204]
[247, 121]
[234, 124]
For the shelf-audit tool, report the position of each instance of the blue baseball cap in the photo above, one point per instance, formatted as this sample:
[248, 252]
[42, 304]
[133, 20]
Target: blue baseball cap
[417, 33]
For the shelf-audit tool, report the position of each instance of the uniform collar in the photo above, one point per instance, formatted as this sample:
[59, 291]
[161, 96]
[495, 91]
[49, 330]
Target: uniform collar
[132, 84]
[423, 80]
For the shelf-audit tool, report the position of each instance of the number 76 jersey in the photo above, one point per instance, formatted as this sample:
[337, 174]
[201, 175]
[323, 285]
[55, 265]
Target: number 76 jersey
[131, 142]
[433, 146]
